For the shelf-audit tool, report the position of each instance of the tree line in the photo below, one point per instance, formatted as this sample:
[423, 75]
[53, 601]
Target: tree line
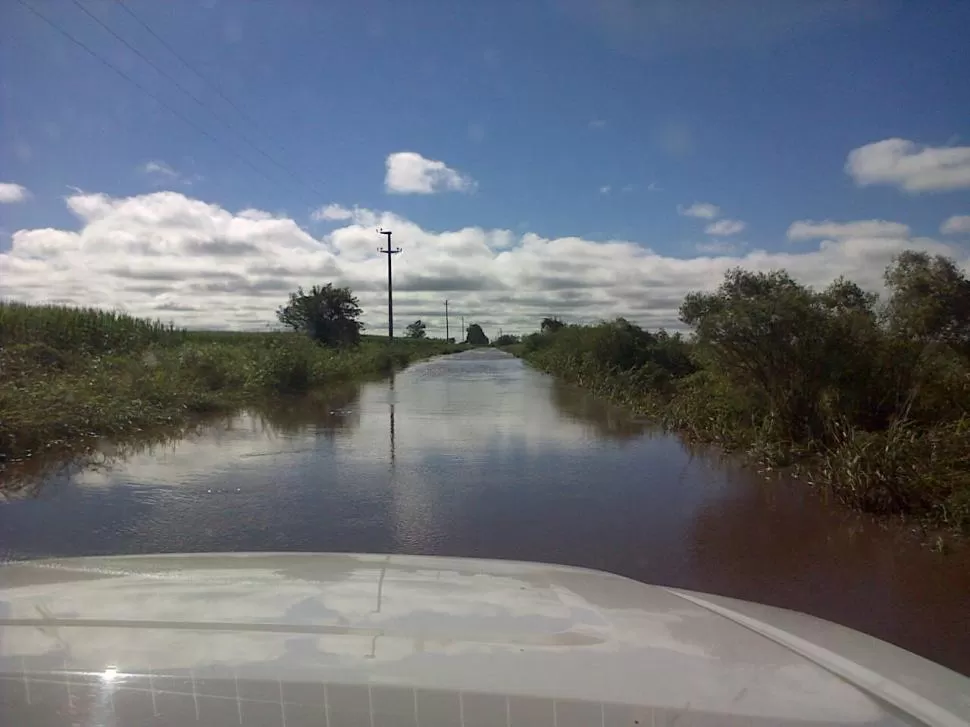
[330, 316]
[870, 395]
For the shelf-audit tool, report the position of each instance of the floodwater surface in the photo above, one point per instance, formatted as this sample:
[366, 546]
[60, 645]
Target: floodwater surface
[476, 454]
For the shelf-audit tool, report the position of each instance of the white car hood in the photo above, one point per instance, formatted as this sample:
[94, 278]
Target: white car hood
[305, 638]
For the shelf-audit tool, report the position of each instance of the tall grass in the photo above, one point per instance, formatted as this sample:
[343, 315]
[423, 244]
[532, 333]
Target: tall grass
[69, 375]
[82, 330]
[906, 468]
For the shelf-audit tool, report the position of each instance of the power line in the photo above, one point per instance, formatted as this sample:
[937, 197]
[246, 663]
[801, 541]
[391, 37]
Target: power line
[144, 90]
[208, 82]
[204, 78]
[191, 95]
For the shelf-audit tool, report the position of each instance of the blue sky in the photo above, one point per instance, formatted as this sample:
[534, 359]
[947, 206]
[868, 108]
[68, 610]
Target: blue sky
[595, 120]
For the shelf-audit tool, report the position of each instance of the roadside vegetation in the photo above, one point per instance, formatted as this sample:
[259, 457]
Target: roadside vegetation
[869, 398]
[476, 336]
[506, 340]
[68, 375]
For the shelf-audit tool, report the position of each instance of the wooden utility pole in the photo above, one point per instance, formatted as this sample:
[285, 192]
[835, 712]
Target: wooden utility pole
[447, 331]
[390, 285]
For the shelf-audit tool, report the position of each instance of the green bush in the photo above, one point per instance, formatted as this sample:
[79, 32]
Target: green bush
[616, 355]
[285, 367]
[873, 398]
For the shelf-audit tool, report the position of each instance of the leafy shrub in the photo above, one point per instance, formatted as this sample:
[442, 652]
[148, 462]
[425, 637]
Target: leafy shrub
[286, 367]
[876, 395]
[326, 314]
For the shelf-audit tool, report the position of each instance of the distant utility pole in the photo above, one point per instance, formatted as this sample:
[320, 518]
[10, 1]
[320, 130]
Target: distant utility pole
[463, 329]
[390, 286]
[447, 332]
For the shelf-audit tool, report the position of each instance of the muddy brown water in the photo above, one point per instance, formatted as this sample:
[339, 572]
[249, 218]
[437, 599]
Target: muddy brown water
[478, 455]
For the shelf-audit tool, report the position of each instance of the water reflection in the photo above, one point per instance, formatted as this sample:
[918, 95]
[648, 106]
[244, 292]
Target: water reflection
[327, 414]
[25, 478]
[776, 542]
[390, 385]
[604, 419]
[478, 455]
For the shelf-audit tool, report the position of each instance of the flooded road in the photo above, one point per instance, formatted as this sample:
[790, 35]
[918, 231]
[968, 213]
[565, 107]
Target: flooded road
[478, 455]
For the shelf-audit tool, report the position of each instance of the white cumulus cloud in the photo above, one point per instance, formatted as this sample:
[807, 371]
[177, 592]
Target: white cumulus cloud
[161, 168]
[332, 212]
[169, 255]
[410, 173]
[725, 227]
[702, 210]
[251, 213]
[11, 193]
[162, 173]
[907, 165]
[956, 225]
[811, 230]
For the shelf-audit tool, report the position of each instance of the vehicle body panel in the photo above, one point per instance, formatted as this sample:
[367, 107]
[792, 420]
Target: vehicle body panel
[254, 638]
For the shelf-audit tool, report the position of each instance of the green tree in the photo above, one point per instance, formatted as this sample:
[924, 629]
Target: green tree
[416, 330]
[770, 335]
[476, 336]
[858, 371]
[506, 339]
[550, 325]
[929, 299]
[326, 314]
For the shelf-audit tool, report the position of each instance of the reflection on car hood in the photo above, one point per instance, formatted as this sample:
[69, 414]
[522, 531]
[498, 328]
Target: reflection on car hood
[283, 638]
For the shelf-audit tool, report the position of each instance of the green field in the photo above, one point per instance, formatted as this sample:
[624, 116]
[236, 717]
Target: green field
[69, 376]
